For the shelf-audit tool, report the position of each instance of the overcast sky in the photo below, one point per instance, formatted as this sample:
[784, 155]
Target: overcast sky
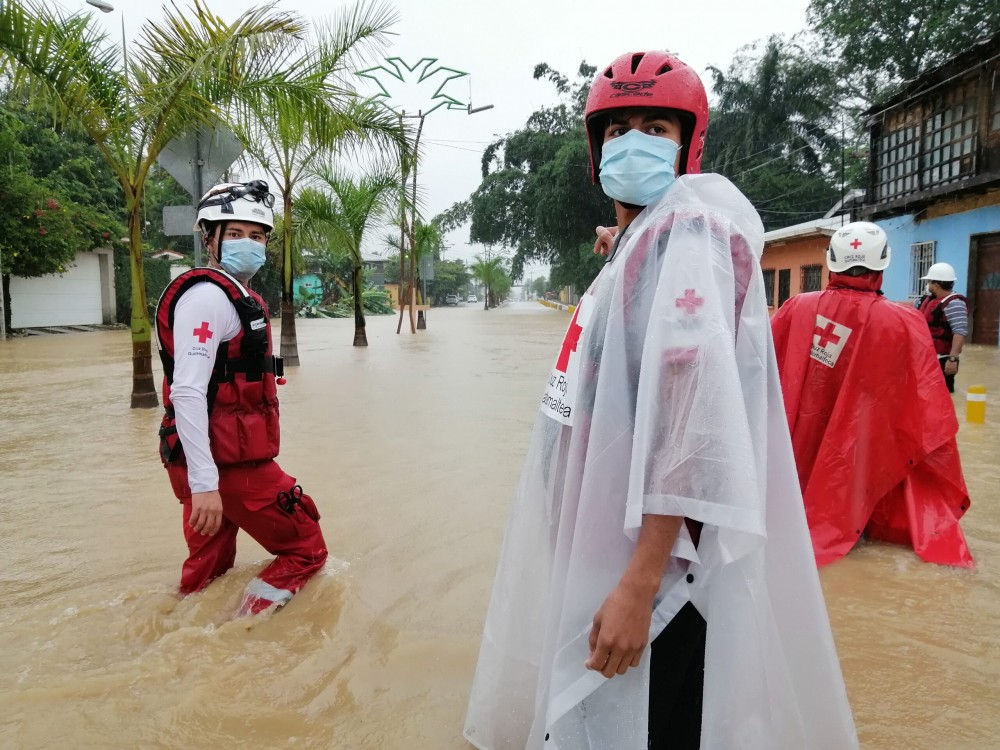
[500, 42]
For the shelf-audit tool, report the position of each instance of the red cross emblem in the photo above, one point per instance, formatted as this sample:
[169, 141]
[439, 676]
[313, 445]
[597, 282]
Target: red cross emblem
[855, 243]
[827, 335]
[570, 342]
[690, 301]
[203, 333]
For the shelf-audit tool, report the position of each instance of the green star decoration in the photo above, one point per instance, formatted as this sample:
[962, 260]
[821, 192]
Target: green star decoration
[395, 67]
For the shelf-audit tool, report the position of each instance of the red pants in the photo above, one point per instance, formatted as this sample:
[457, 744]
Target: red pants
[249, 502]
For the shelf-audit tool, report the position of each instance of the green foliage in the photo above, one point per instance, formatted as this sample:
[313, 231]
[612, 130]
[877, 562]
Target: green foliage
[450, 277]
[162, 190]
[775, 131]
[492, 272]
[392, 269]
[537, 195]
[290, 140]
[881, 44]
[267, 281]
[336, 217]
[539, 286]
[191, 69]
[37, 234]
[373, 302]
[156, 277]
[54, 199]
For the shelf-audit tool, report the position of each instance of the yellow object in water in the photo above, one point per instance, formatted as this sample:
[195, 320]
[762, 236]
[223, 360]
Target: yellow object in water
[975, 404]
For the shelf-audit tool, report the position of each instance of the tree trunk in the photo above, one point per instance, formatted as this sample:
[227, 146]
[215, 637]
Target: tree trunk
[143, 388]
[289, 341]
[5, 280]
[360, 336]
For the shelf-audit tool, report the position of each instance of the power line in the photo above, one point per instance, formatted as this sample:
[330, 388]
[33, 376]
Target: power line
[457, 148]
[777, 158]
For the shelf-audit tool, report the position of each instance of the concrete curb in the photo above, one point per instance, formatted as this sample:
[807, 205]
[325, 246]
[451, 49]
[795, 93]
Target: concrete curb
[558, 306]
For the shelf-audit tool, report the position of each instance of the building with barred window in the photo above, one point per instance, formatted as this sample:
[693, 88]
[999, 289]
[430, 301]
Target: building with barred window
[934, 181]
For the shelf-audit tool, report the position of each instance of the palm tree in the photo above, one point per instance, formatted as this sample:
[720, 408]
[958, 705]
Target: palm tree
[775, 99]
[427, 239]
[491, 271]
[289, 141]
[184, 72]
[341, 213]
[775, 131]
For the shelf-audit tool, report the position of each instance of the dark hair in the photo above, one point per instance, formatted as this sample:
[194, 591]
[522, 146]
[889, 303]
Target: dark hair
[946, 285]
[858, 271]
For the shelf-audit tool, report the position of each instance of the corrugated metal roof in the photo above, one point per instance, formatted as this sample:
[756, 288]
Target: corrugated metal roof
[816, 227]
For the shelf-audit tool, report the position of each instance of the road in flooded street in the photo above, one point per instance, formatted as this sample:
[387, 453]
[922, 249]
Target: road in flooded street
[411, 449]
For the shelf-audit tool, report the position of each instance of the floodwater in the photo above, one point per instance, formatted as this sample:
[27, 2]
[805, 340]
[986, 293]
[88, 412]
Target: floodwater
[411, 448]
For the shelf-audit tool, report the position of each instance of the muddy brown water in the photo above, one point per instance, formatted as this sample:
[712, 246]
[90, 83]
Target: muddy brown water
[411, 448]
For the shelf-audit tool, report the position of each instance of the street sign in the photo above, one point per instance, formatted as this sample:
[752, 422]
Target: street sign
[197, 159]
[178, 220]
[427, 268]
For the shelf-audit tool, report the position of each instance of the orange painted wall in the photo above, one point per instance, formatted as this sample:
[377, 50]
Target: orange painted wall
[793, 254]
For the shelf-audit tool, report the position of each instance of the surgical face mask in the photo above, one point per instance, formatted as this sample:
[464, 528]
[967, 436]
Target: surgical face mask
[242, 258]
[638, 168]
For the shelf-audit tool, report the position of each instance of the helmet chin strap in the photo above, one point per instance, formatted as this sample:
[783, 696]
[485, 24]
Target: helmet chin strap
[219, 232]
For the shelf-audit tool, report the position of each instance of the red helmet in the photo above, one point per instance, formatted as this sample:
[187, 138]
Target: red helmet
[649, 79]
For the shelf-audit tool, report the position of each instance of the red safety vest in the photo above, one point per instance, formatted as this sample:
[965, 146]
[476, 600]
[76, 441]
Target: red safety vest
[242, 394]
[933, 310]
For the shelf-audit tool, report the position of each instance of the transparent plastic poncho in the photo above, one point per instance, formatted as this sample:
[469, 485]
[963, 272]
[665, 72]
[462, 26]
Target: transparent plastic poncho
[664, 399]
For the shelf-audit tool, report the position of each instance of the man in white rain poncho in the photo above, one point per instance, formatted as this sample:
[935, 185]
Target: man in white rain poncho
[659, 491]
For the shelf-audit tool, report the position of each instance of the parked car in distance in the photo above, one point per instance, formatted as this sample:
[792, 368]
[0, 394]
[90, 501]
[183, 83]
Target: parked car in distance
[451, 299]
[472, 298]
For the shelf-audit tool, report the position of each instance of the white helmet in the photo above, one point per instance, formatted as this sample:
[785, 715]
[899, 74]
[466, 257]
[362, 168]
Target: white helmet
[859, 243]
[940, 272]
[237, 201]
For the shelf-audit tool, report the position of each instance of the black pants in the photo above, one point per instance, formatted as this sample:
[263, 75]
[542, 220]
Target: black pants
[677, 682]
[948, 379]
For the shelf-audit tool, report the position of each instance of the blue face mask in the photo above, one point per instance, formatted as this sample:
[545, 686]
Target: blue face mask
[242, 258]
[638, 168]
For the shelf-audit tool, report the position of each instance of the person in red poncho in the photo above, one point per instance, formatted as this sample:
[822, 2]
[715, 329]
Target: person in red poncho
[873, 427]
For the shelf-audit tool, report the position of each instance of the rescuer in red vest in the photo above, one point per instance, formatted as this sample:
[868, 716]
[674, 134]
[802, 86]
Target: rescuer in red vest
[873, 427]
[947, 315]
[219, 435]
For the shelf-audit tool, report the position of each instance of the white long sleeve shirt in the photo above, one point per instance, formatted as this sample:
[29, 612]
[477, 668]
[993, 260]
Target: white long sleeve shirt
[203, 318]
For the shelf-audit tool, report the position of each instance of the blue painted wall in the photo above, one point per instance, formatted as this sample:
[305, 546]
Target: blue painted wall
[952, 234]
[310, 282]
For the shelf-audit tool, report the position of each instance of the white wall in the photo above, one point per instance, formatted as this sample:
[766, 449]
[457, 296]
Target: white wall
[72, 298]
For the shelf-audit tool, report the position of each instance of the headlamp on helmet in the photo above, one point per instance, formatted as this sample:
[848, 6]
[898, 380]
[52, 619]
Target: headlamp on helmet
[237, 201]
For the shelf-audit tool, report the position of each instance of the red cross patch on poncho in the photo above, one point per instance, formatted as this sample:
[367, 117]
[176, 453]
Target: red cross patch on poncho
[829, 340]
